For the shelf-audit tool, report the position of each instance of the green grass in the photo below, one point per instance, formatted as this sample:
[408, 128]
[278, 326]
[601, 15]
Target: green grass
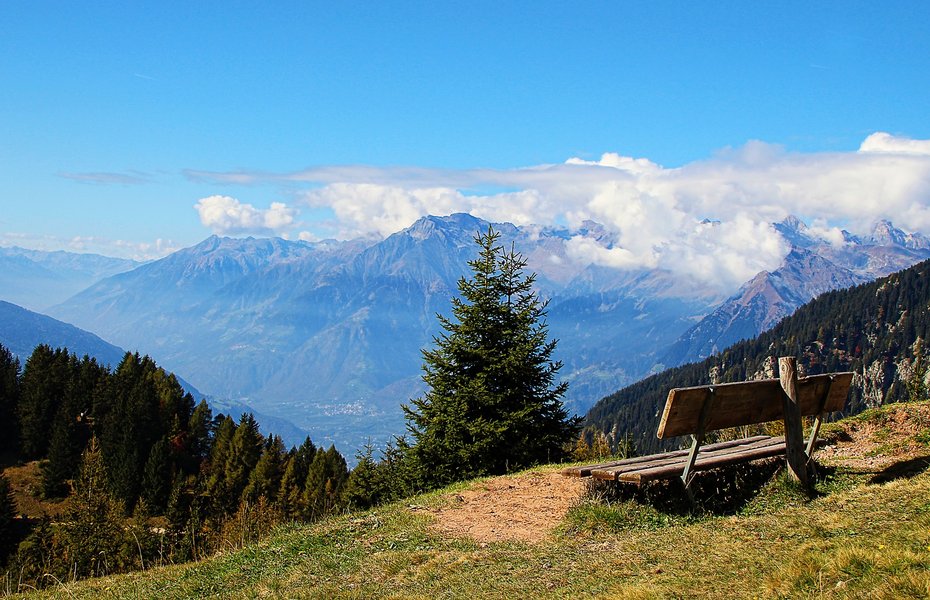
[848, 538]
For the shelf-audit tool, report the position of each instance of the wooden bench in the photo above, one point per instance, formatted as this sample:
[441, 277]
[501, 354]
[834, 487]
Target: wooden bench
[695, 411]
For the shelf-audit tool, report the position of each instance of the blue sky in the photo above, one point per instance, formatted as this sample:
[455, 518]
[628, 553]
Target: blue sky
[138, 128]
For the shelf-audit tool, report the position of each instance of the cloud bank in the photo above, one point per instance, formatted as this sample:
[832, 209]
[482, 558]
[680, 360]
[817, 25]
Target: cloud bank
[710, 219]
[227, 216]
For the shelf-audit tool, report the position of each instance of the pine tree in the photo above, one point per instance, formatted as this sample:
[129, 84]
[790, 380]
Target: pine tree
[157, 478]
[363, 488]
[9, 400]
[7, 512]
[215, 486]
[291, 490]
[245, 449]
[43, 387]
[265, 478]
[93, 530]
[326, 478]
[492, 403]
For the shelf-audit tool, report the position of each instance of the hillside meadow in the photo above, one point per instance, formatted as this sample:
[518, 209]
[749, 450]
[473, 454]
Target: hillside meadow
[863, 533]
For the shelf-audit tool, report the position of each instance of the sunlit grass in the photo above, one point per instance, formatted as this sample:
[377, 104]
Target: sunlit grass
[848, 538]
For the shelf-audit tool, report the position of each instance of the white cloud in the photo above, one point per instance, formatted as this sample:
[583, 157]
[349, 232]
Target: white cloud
[654, 215]
[226, 215]
[365, 208]
[885, 142]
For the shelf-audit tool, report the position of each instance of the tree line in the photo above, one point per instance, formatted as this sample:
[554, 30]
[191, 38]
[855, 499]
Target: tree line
[150, 476]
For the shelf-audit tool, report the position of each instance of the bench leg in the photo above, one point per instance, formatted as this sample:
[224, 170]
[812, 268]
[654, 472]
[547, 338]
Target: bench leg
[686, 475]
[812, 442]
[697, 439]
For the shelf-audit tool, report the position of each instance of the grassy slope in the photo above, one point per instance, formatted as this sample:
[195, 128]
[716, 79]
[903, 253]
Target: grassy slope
[857, 539]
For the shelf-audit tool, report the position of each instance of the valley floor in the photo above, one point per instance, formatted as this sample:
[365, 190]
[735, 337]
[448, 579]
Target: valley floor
[864, 534]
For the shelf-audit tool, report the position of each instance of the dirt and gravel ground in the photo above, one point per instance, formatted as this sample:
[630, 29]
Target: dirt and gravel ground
[528, 506]
[524, 507]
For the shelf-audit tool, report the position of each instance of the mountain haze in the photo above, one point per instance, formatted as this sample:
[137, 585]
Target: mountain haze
[36, 279]
[21, 330]
[328, 335]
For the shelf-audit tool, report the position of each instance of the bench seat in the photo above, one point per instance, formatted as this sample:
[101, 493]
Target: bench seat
[669, 465]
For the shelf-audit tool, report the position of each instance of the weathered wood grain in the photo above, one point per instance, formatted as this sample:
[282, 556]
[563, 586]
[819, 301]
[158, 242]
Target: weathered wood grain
[748, 403]
[667, 466]
[585, 470]
[791, 412]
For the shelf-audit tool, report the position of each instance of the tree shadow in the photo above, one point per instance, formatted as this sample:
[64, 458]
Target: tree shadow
[905, 469]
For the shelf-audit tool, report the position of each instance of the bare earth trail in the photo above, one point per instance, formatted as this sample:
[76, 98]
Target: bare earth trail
[523, 507]
[528, 506]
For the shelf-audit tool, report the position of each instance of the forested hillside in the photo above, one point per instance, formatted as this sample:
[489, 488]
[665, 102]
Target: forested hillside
[876, 330]
[131, 473]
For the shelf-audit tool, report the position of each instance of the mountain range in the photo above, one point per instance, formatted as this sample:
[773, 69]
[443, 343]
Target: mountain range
[328, 335]
[36, 280]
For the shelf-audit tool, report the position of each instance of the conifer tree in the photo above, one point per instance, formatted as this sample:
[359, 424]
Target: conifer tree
[291, 490]
[93, 530]
[157, 478]
[326, 478]
[363, 487]
[7, 512]
[265, 478]
[200, 430]
[9, 400]
[245, 449]
[493, 404]
[215, 487]
[43, 387]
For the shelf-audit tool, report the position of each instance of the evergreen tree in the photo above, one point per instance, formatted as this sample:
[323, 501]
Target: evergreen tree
[265, 478]
[363, 488]
[245, 449]
[215, 486]
[156, 478]
[326, 478]
[291, 490]
[492, 403]
[43, 387]
[93, 529]
[7, 513]
[71, 428]
[200, 432]
[9, 400]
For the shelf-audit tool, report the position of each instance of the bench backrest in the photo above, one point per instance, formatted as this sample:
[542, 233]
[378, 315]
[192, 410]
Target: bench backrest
[748, 403]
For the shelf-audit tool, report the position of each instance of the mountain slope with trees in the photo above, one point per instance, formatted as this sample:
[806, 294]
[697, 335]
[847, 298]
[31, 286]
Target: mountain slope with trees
[878, 330]
[139, 474]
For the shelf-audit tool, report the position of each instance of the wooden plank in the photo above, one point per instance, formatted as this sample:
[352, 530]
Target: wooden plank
[794, 429]
[677, 463]
[585, 470]
[748, 403]
[704, 463]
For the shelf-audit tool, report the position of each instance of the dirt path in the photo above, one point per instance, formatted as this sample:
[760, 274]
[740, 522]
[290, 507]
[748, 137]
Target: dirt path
[521, 508]
[528, 506]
